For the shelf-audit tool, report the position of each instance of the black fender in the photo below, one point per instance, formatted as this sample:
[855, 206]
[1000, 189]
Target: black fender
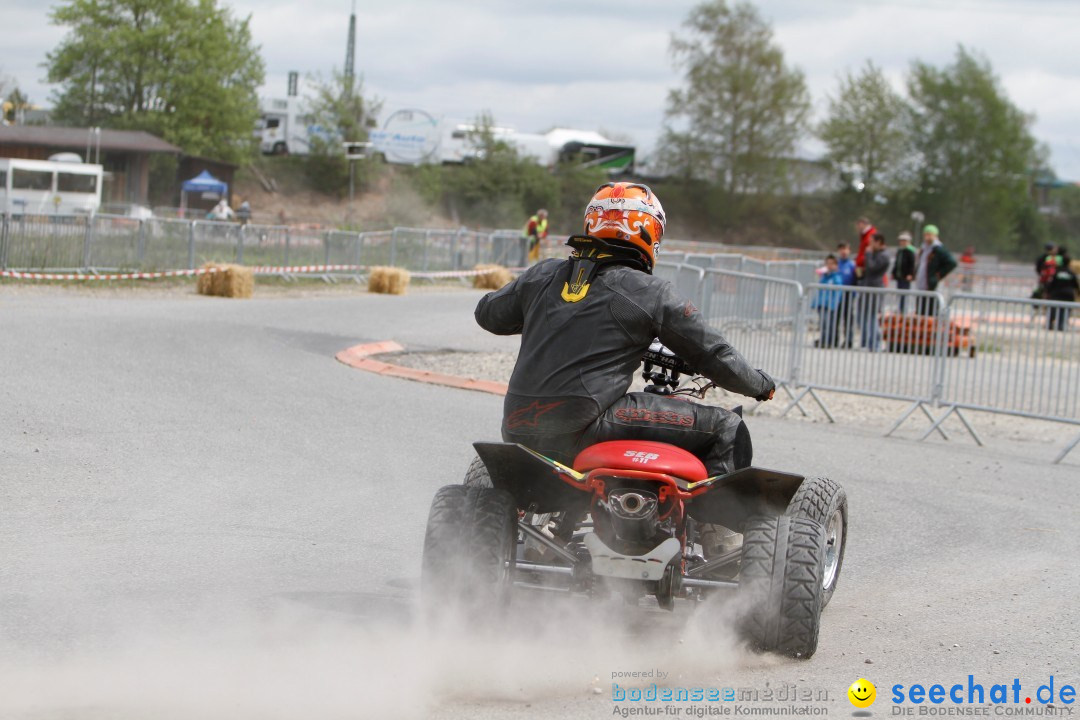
[732, 498]
[533, 480]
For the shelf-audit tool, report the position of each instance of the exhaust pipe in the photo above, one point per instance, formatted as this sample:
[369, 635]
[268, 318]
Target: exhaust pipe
[634, 514]
[631, 504]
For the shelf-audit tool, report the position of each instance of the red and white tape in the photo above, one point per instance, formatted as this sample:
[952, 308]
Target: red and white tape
[19, 275]
[288, 270]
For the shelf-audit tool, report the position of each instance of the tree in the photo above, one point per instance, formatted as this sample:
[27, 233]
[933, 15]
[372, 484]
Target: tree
[977, 155]
[866, 130]
[339, 106]
[499, 186]
[15, 106]
[6, 81]
[338, 112]
[1065, 221]
[742, 110]
[183, 69]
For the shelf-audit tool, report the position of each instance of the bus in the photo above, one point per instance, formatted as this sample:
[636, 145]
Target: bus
[49, 187]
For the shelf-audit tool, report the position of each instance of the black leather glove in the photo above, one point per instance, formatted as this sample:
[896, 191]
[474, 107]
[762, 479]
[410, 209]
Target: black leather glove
[770, 388]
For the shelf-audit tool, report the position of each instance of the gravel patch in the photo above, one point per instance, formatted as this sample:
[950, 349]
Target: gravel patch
[495, 366]
[847, 409]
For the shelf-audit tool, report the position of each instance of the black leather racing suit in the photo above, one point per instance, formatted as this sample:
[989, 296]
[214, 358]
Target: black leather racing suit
[577, 359]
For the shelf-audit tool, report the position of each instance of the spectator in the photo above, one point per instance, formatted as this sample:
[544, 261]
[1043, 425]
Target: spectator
[931, 266]
[904, 265]
[967, 269]
[221, 211]
[1048, 250]
[535, 233]
[875, 270]
[1062, 287]
[243, 213]
[866, 232]
[877, 263]
[827, 303]
[1047, 267]
[846, 268]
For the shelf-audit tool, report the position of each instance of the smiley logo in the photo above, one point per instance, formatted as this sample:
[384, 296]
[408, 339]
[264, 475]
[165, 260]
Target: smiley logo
[862, 693]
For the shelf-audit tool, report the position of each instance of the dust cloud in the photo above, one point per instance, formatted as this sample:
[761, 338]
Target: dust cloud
[336, 656]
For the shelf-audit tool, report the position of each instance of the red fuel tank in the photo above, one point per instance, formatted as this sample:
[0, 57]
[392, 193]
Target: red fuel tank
[644, 455]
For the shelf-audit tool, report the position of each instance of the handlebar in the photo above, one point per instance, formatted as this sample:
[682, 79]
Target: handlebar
[662, 369]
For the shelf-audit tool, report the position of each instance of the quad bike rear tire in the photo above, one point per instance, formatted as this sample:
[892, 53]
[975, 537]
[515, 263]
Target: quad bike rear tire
[825, 501]
[469, 553]
[780, 584]
[477, 475]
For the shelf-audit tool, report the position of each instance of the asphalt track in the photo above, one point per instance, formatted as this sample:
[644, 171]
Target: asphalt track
[202, 514]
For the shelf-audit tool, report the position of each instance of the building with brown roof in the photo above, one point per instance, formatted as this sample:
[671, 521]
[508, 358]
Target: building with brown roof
[125, 155]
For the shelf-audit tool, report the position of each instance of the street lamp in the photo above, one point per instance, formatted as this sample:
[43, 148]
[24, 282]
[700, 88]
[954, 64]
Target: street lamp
[917, 221]
[354, 151]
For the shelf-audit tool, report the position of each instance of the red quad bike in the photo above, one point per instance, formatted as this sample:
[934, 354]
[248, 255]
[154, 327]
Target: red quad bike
[640, 518]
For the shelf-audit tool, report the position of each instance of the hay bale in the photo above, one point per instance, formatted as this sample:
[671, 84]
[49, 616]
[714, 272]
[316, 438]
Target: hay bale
[233, 281]
[388, 280]
[493, 278]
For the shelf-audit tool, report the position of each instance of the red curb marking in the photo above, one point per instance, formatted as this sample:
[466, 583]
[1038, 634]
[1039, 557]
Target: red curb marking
[360, 357]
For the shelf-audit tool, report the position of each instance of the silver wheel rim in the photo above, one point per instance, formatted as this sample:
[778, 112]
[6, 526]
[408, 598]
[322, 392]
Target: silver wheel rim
[834, 541]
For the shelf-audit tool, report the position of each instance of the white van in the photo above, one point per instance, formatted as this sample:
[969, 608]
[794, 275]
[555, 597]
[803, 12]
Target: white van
[47, 187]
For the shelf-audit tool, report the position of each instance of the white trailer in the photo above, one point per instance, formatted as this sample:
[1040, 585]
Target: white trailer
[414, 137]
[284, 128]
[49, 187]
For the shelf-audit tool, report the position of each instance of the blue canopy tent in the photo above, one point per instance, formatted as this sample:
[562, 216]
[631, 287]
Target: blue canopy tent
[203, 183]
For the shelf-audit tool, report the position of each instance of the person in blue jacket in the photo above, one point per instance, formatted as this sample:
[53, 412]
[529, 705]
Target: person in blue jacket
[845, 265]
[829, 302]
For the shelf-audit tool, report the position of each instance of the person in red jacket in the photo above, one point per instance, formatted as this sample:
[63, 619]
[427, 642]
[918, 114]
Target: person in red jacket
[866, 231]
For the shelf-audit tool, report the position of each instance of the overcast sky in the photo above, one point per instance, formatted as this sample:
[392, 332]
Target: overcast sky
[605, 65]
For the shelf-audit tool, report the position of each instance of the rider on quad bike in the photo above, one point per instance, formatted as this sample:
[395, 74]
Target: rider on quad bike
[585, 323]
[596, 491]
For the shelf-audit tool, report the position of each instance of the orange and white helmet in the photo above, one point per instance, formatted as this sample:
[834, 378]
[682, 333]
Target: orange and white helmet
[628, 213]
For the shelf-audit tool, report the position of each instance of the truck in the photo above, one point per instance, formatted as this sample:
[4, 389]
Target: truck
[285, 128]
[414, 137]
[584, 146]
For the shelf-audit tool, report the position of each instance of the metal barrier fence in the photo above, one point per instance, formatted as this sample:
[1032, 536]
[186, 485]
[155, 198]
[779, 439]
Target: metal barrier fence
[116, 243]
[957, 351]
[1029, 358]
[1002, 281]
[759, 316]
[687, 279]
[761, 252]
[872, 341]
[968, 352]
[44, 241]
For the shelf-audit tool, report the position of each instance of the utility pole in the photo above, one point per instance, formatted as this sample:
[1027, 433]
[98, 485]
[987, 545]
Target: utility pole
[350, 53]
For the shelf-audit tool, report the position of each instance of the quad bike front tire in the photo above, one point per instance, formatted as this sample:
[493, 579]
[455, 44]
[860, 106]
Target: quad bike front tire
[780, 584]
[825, 501]
[469, 553]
